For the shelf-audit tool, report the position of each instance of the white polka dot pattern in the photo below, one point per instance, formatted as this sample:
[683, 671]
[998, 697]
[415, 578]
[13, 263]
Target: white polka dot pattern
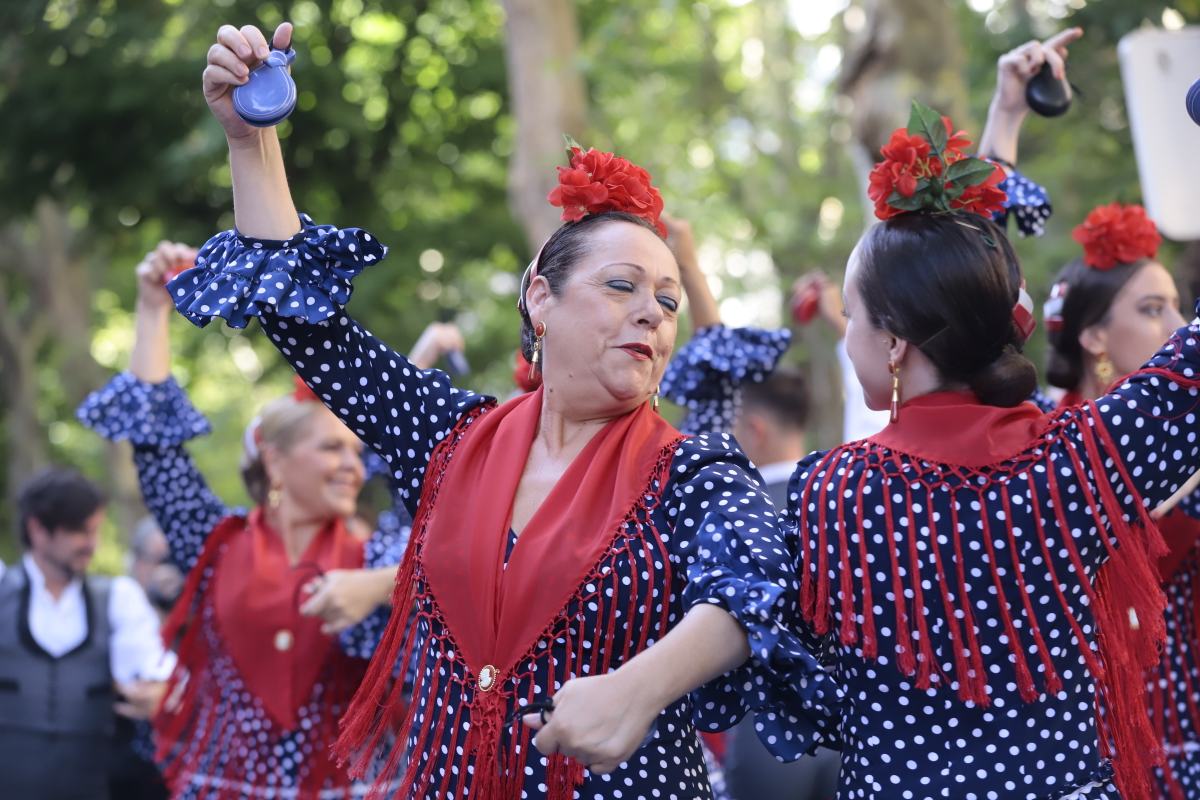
[710, 505]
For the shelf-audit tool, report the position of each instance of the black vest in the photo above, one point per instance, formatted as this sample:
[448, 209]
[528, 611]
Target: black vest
[56, 715]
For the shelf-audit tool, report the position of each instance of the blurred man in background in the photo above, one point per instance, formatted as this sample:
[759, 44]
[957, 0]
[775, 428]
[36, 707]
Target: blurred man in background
[74, 648]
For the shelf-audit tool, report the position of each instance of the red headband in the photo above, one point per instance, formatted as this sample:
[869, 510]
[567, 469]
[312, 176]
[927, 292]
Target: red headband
[1117, 234]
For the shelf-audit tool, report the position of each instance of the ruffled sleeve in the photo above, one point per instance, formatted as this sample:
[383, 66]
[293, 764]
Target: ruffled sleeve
[706, 374]
[297, 289]
[306, 277]
[1028, 204]
[735, 557]
[157, 419]
[145, 414]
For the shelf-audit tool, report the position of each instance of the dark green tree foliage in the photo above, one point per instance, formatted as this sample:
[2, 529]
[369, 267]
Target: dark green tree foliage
[402, 127]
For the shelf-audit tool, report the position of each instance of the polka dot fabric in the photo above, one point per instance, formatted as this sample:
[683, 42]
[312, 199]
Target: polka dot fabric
[157, 419]
[1028, 204]
[901, 741]
[710, 501]
[705, 374]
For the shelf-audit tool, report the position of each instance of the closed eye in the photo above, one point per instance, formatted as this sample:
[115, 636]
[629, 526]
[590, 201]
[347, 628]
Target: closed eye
[669, 303]
[620, 286]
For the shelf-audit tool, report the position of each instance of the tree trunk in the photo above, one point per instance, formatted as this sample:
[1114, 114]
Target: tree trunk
[548, 100]
[45, 325]
[908, 49]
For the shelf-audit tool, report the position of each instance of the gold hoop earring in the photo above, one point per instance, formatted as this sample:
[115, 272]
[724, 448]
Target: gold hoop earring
[274, 497]
[539, 333]
[1105, 372]
[895, 370]
[654, 399]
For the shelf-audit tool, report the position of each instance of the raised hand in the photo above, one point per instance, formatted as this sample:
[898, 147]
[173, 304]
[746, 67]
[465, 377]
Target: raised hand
[438, 339]
[230, 59]
[1016, 67]
[159, 266]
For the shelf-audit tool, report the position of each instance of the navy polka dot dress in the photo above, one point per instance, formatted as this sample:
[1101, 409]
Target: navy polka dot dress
[1012, 592]
[1028, 205]
[713, 537]
[157, 420]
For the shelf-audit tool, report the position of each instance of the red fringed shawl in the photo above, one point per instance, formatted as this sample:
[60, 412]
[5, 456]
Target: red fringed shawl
[481, 621]
[1179, 665]
[238, 621]
[949, 441]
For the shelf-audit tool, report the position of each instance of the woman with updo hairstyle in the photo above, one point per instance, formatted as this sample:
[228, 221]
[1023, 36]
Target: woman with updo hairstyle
[950, 565]
[556, 536]
[281, 606]
[1107, 312]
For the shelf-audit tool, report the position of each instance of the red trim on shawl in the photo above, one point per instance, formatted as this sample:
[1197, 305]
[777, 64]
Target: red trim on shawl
[233, 581]
[256, 595]
[955, 428]
[956, 435]
[495, 612]
[555, 558]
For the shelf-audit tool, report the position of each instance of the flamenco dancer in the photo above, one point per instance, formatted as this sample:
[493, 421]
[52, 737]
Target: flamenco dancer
[948, 565]
[554, 536]
[254, 702]
[1107, 313]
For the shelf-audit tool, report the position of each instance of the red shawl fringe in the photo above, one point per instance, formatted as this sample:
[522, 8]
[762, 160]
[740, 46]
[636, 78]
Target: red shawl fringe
[496, 772]
[196, 733]
[1124, 596]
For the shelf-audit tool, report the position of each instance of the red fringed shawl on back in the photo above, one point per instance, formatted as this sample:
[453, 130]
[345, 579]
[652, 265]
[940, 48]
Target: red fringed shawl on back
[487, 616]
[240, 612]
[949, 440]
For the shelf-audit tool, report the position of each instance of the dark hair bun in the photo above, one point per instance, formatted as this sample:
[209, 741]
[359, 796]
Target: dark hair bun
[1007, 381]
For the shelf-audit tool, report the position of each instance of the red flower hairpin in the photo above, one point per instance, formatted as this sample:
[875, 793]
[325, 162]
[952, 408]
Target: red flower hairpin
[924, 168]
[1117, 234]
[596, 182]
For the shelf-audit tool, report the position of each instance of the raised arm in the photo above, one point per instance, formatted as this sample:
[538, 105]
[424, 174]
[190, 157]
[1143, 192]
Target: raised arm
[1002, 131]
[262, 202]
[706, 374]
[149, 409]
[297, 283]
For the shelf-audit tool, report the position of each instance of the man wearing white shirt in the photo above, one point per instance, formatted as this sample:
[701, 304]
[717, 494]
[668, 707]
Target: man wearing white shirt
[67, 642]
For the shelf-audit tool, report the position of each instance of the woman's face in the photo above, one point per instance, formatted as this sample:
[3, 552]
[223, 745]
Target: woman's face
[868, 347]
[321, 474]
[611, 329]
[1143, 315]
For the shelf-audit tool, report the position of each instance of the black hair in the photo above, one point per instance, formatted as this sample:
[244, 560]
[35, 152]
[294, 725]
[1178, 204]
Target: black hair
[947, 283]
[57, 498]
[1089, 297]
[560, 253]
[783, 395]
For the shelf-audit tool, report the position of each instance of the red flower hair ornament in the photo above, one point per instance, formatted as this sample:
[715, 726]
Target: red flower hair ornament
[596, 182]
[1117, 234]
[925, 168]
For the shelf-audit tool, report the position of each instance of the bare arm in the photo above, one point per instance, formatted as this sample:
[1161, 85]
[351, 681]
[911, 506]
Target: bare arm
[150, 360]
[602, 720]
[702, 306]
[262, 201]
[1008, 110]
